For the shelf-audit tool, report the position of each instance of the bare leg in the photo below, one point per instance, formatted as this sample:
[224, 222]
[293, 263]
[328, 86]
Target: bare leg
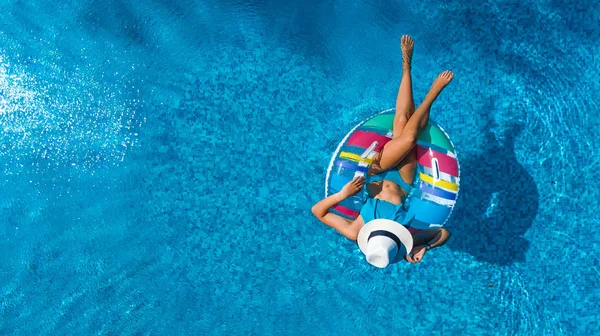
[405, 105]
[396, 150]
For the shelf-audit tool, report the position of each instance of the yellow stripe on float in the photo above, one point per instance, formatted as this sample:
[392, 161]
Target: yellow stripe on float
[354, 157]
[440, 183]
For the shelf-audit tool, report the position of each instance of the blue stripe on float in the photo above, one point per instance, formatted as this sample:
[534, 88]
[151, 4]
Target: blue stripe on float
[428, 188]
[351, 166]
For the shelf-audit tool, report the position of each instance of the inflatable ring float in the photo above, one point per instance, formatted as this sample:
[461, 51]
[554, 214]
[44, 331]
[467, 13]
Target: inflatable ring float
[437, 175]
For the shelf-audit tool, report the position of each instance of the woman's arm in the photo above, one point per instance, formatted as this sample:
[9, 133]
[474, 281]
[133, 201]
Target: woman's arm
[322, 208]
[342, 225]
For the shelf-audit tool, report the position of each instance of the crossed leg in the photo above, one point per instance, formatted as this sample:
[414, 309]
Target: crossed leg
[403, 143]
[405, 107]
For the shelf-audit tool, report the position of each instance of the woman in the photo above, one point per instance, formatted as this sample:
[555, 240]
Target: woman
[392, 171]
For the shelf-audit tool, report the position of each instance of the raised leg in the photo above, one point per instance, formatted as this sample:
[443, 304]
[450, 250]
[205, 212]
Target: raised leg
[405, 105]
[396, 150]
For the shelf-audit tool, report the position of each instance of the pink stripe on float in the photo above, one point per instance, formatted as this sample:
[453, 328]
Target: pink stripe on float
[446, 163]
[346, 211]
[364, 139]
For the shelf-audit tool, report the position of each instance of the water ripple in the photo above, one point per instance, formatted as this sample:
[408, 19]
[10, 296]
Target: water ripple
[72, 120]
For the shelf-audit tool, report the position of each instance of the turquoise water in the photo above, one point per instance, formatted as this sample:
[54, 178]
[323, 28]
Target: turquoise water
[159, 161]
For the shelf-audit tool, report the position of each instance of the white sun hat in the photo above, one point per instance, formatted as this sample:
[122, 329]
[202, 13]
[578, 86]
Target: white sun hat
[384, 242]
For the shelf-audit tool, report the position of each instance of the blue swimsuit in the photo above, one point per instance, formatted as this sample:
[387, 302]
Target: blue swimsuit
[377, 208]
[390, 175]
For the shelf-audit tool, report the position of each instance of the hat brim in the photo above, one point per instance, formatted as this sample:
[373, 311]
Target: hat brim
[391, 226]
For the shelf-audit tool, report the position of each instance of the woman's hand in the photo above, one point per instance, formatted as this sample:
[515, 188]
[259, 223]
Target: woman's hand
[353, 187]
[321, 209]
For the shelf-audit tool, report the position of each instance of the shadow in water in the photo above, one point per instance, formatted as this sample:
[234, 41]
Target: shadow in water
[498, 201]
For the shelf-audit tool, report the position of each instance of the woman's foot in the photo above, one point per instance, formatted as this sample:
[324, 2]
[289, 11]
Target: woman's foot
[441, 81]
[406, 44]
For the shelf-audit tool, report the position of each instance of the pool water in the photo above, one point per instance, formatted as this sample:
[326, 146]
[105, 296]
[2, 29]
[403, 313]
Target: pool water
[159, 161]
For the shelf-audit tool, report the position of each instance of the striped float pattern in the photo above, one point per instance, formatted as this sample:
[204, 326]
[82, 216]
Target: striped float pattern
[437, 177]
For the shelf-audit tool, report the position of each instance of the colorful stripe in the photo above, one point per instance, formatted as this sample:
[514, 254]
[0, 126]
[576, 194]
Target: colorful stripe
[440, 183]
[438, 169]
[333, 211]
[446, 164]
[438, 200]
[443, 176]
[383, 121]
[346, 211]
[434, 135]
[342, 164]
[427, 188]
[433, 147]
[364, 139]
[354, 157]
[337, 151]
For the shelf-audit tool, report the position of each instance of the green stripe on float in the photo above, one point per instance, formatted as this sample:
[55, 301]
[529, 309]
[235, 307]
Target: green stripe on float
[383, 121]
[434, 135]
